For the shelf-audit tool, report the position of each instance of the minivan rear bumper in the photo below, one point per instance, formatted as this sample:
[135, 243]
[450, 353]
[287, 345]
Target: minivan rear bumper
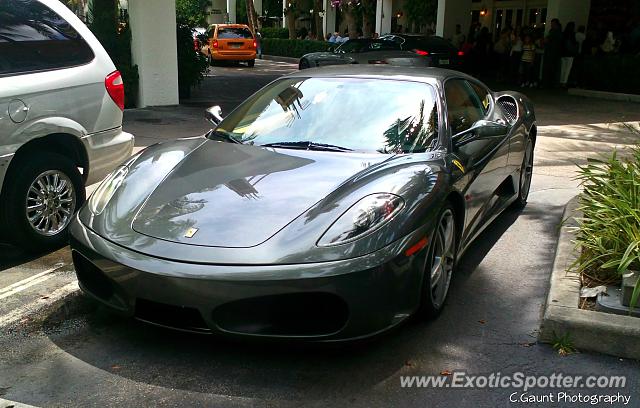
[105, 151]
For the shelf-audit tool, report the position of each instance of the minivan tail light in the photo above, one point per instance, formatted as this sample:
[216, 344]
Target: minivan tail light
[215, 44]
[255, 45]
[115, 88]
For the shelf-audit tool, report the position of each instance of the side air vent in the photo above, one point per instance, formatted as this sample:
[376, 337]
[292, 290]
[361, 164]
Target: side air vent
[509, 107]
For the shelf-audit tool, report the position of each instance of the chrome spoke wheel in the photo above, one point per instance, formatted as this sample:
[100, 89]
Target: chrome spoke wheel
[442, 258]
[526, 172]
[50, 202]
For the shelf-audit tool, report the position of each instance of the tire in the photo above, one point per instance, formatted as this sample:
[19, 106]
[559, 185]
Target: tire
[304, 64]
[32, 182]
[251, 63]
[439, 264]
[526, 173]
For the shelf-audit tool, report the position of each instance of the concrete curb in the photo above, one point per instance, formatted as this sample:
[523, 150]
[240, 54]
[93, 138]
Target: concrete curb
[276, 58]
[613, 96]
[12, 404]
[588, 330]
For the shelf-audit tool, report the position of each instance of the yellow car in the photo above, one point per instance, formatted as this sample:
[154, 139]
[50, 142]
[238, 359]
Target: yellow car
[230, 42]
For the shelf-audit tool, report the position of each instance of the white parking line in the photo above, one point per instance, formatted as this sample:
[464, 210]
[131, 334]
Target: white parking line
[28, 282]
[39, 304]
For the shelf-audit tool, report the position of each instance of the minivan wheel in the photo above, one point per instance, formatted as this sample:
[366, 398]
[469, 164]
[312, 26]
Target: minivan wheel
[44, 193]
[251, 63]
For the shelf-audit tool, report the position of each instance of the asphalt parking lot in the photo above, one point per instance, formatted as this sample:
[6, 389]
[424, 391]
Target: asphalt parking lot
[81, 355]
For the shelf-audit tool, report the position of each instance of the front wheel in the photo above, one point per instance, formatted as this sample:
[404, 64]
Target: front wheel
[45, 192]
[304, 64]
[439, 264]
[526, 173]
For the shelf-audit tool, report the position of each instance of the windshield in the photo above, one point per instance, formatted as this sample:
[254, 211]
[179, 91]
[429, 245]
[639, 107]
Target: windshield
[346, 114]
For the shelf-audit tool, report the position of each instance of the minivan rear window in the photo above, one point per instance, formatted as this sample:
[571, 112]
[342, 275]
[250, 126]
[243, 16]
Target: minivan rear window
[233, 33]
[35, 38]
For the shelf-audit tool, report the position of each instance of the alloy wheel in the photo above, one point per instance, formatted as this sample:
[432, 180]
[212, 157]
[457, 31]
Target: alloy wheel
[442, 258]
[50, 202]
[526, 172]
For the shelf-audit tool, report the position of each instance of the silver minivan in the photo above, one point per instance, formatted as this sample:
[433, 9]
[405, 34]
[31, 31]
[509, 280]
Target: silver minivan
[61, 105]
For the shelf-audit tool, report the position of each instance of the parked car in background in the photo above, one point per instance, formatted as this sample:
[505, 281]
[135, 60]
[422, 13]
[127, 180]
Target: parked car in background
[61, 104]
[199, 38]
[230, 42]
[362, 51]
[438, 51]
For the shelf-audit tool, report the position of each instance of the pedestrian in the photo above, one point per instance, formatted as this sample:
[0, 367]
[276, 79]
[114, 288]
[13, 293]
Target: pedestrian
[259, 44]
[337, 37]
[569, 51]
[515, 54]
[501, 50]
[458, 38]
[552, 53]
[538, 40]
[527, 63]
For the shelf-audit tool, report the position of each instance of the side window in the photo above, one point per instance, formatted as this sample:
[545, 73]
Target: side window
[34, 38]
[463, 105]
[483, 95]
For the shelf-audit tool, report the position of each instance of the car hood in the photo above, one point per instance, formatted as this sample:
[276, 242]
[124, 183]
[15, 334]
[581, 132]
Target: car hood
[238, 196]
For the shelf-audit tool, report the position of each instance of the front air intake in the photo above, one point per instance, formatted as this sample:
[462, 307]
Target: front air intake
[509, 108]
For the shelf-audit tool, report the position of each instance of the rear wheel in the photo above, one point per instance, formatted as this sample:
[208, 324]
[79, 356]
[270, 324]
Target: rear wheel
[251, 63]
[526, 173]
[45, 192]
[439, 264]
[304, 64]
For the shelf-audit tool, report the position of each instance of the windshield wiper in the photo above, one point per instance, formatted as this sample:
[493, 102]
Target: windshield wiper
[221, 134]
[308, 146]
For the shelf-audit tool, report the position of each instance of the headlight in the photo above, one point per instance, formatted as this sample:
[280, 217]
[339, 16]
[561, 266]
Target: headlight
[100, 198]
[364, 217]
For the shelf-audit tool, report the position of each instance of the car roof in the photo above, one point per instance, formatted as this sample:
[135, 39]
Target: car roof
[230, 25]
[418, 74]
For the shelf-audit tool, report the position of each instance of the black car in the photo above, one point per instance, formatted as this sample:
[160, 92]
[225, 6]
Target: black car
[439, 51]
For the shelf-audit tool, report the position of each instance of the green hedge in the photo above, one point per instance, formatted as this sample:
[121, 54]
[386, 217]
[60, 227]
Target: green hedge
[292, 48]
[614, 73]
[274, 32]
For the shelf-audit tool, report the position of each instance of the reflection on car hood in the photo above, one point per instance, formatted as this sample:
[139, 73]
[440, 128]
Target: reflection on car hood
[231, 195]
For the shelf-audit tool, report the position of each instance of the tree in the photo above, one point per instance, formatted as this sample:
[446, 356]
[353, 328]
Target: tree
[318, 7]
[252, 16]
[104, 23]
[290, 14]
[349, 8]
[192, 12]
[420, 12]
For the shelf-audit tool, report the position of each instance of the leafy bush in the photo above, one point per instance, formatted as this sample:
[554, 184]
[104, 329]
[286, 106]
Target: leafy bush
[608, 235]
[274, 32]
[191, 64]
[115, 37]
[292, 48]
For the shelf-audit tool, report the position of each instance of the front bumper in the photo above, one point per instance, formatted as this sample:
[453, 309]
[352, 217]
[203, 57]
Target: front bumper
[326, 301]
[105, 151]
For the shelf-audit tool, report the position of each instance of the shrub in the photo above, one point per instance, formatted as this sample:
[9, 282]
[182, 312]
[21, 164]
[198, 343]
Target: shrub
[292, 48]
[274, 32]
[191, 64]
[608, 235]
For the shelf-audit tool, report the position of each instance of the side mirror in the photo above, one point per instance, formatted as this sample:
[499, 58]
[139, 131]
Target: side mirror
[214, 115]
[482, 129]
